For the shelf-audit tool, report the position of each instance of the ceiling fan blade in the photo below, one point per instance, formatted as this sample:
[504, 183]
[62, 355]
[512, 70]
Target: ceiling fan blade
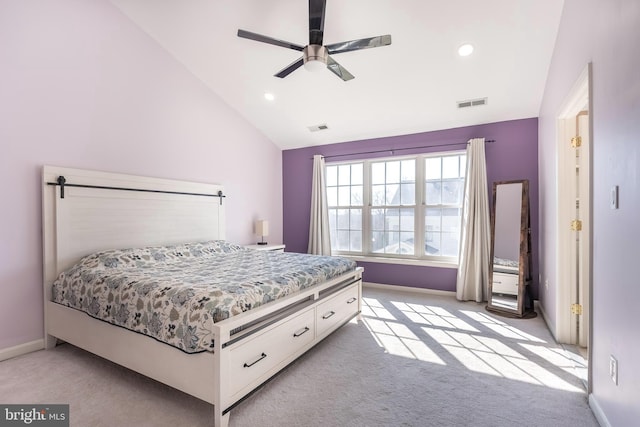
[265, 39]
[338, 69]
[316, 21]
[359, 44]
[289, 68]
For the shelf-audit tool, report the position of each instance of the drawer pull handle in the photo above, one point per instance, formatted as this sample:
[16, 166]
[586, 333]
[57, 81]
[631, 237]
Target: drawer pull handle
[302, 331]
[352, 300]
[329, 314]
[497, 282]
[256, 361]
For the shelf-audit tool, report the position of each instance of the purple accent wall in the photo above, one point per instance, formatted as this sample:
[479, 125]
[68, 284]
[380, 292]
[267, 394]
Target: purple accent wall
[514, 155]
[81, 86]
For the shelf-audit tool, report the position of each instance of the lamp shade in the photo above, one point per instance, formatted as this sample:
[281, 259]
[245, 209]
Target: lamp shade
[262, 227]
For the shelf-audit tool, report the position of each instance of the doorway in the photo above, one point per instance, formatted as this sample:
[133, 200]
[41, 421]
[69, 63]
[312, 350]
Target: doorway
[574, 220]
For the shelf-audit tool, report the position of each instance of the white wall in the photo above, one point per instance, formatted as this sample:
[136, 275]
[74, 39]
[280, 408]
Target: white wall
[81, 86]
[605, 33]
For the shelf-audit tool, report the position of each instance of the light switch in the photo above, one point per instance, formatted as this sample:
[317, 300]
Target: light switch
[613, 198]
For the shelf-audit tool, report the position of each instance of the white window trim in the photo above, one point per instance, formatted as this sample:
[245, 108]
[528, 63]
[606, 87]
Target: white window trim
[420, 206]
[400, 261]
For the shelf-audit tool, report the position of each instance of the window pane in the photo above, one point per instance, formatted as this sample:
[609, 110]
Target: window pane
[377, 219]
[393, 172]
[355, 242]
[406, 243]
[356, 195]
[432, 243]
[377, 195]
[343, 219]
[450, 166]
[432, 168]
[408, 194]
[332, 196]
[433, 190]
[377, 173]
[356, 219]
[392, 242]
[331, 175]
[408, 171]
[344, 174]
[451, 220]
[377, 241]
[432, 220]
[344, 196]
[407, 220]
[332, 221]
[392, 219]
[343, 240]
[463, 165]
[393, 194]
[356, 174]
[452, 192]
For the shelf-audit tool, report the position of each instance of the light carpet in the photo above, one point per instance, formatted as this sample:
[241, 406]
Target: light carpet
[413, 360]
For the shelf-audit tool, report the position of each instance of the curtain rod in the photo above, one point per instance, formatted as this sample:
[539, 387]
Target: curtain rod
[392, 150]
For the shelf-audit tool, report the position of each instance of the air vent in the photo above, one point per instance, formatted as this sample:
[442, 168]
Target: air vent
[317, 128]
[472, 103]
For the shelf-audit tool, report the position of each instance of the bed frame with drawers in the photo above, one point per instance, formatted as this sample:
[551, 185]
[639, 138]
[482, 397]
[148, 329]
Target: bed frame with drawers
[88, 211]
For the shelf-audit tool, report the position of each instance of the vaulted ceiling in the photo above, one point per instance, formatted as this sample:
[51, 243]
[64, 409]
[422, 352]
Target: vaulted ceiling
[412, 85]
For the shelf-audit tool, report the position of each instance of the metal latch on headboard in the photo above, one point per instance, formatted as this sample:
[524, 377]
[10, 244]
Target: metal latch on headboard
[62, 182]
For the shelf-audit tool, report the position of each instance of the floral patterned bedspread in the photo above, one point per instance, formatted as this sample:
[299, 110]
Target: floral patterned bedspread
[175, 293]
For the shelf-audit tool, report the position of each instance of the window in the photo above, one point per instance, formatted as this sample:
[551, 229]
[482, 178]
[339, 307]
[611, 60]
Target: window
[345, 197]
[407, 207]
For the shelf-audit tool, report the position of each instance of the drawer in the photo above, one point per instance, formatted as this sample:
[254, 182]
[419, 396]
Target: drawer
[256, 358]
[336, 309]
[504, 283]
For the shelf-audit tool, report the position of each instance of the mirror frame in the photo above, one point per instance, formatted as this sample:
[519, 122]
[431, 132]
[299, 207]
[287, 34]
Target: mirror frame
[524, 260]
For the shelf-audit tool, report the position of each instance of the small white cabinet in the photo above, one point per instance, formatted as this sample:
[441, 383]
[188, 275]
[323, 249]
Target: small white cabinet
[505, 283]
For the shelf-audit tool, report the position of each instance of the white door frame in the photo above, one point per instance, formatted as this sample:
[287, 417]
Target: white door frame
[566, 323]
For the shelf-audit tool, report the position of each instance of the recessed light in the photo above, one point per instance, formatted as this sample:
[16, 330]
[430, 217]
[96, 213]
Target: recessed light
[269, 96]
[465, 50]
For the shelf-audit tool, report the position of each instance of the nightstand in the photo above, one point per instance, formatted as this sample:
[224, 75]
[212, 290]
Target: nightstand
[267, 247]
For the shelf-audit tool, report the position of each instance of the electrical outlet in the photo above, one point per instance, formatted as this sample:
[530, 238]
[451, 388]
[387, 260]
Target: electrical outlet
[613, 369]
[546, 284]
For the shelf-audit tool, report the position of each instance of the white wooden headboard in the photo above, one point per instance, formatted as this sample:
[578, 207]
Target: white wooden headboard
[90, 219]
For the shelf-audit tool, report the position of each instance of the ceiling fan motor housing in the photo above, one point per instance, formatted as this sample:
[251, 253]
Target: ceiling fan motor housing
[314, 56]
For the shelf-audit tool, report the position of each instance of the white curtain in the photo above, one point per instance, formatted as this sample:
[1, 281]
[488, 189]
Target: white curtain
[319, 237]
[475, 242]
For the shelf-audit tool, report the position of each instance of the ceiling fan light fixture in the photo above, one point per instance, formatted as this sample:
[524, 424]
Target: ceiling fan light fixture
[314, 57]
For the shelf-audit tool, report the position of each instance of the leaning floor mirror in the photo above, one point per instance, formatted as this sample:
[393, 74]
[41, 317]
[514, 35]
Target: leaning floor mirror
[510, 269]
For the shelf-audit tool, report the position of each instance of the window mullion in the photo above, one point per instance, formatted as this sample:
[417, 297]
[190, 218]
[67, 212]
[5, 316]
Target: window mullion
[420, 207]
[366, 208]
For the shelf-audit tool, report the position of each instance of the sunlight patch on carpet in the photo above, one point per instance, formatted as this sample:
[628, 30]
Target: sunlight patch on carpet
[492, 347]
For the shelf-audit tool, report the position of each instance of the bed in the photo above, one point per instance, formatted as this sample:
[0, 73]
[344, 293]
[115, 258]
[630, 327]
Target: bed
[220, 319]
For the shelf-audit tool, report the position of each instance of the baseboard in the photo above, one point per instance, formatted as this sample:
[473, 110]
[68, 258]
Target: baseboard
[597, 411]
[408, 289]
[19, 350]
[551, 327]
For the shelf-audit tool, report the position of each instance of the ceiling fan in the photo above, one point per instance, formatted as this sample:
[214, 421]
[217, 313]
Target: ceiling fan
[314, 55]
